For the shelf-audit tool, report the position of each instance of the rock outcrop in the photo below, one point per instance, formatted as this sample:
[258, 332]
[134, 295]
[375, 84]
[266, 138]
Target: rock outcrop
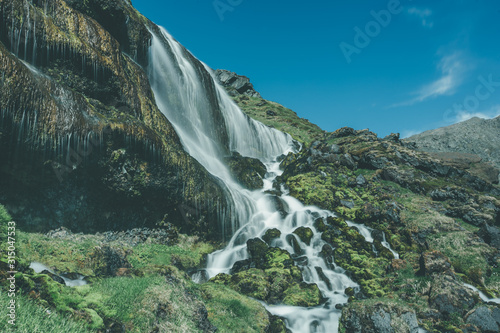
[236, 84]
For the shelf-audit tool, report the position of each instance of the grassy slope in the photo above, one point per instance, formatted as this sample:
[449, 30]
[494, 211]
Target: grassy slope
[284, 119]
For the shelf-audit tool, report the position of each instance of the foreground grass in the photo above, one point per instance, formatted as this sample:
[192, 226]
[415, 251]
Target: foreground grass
[34, 318]
[154, 295]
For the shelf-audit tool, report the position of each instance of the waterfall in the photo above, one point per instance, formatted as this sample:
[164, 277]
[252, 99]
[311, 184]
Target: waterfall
[210, 125]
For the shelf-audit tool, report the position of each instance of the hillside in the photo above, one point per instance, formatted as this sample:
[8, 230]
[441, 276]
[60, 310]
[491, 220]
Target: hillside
[480, 137]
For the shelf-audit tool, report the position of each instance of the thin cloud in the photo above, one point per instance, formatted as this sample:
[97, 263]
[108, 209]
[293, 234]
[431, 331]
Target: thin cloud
[488, 114]
[452, 70]
[423, 15]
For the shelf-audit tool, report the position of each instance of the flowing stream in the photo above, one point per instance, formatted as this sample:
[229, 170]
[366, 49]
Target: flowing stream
[210, 126]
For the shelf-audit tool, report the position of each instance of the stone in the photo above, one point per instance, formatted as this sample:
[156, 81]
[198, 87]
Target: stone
[270, 235]
[449, 296]
[490, 234]
[434, 262]
[486, 319]
[305, 234]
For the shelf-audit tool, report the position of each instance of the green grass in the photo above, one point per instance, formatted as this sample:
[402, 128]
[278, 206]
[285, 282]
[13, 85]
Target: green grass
[67, 256]
[188, 253]
[34, 318]
[232, 312]
[285, 119]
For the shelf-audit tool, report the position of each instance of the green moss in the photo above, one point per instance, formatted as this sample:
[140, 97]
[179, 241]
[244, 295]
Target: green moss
[302, 295]
[231, 312]
[188, 253]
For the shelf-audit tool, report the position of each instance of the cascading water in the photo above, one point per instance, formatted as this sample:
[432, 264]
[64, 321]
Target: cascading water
[210, 126]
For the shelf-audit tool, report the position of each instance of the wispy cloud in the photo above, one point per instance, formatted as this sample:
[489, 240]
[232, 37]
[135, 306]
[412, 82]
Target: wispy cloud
[422, 14]
[452, 70]
[493, 112]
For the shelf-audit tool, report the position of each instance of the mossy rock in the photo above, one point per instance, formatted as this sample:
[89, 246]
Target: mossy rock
[305, 234]
[248, 171]
[270, 235]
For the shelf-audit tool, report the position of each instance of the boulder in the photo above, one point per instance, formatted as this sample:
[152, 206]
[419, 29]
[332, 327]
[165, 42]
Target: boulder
[305, 234]
[448, 296]
[491, 235]
[270, 235]
[434, 262]
[378, 318]
[485, 318]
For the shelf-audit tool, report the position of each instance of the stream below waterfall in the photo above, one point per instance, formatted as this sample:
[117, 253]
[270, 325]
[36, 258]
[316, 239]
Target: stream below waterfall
[188, 95]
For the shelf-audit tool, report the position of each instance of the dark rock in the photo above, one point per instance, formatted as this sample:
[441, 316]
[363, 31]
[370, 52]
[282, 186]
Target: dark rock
[305, 234]
[271, 113]
[327, 255]
[107, 260]
[54, 277]
[270, 235]
[394, 137]
[204, 324]
[485, 318]
[360, 180]
[323, 277]
[434, 262]
[262, 103]
[242, 265]
[449, 296]
[491, 235]
[248, 171]
[257, 248]
[320, 225]
[280, 205]
[300, 261]
[292, 241]
[239, 83]
[378, 318]
[276, 325]
[342, 132]
[347, 203]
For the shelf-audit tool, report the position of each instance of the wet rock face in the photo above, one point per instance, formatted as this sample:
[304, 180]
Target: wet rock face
[378, 318]
[94, 151]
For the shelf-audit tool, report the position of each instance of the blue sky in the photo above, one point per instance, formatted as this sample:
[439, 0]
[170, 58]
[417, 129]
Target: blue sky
[391, 66]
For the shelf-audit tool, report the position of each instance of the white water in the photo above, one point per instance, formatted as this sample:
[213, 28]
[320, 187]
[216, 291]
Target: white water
[482, 295]
[39, 267]
[187, 94]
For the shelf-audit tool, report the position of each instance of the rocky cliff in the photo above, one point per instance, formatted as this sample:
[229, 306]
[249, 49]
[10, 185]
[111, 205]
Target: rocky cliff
[86, 145]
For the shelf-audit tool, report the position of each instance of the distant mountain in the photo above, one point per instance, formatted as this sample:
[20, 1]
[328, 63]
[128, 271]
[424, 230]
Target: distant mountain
[476, 136]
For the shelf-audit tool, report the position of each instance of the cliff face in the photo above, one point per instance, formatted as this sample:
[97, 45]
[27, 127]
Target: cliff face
[83, 140]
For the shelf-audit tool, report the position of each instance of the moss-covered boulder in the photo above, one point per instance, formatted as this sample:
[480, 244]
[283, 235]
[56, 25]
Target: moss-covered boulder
[270, 235]
[248, 171]
[305, 234]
